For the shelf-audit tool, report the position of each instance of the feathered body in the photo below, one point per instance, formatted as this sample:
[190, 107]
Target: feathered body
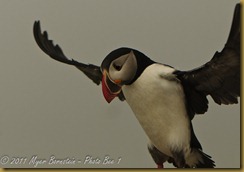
[164, 99]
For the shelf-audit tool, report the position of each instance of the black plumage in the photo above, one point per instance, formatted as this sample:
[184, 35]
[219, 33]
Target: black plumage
[55, 52]
[219, 78]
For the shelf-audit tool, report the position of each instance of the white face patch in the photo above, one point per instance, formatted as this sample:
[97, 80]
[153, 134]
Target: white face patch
[123, 68]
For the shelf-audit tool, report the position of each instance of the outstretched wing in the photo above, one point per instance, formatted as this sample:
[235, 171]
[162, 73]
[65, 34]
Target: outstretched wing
[219, 78]
[55, 52]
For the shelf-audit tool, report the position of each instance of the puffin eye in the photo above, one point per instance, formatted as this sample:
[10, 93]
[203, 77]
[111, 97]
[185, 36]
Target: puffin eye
[117, 67]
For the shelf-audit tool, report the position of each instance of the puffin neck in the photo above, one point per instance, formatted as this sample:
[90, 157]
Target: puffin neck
[142, 63]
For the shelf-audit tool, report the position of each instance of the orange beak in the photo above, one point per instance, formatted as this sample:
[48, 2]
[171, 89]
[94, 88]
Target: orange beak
[110, 88]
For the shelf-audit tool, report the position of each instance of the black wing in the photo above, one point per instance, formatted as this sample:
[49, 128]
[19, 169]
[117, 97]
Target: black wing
[55, 52]
[219, 78]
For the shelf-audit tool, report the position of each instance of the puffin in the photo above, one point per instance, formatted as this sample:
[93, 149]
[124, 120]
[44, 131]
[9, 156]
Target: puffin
[164, 99]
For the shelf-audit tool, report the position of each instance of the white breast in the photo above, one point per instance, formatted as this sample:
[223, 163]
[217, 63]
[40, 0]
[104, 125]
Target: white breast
[157, 100]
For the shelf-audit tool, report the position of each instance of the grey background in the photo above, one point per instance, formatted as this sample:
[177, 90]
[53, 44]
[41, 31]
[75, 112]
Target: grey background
[48, 108]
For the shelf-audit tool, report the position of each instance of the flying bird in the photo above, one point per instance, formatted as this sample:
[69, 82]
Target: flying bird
[164, 99]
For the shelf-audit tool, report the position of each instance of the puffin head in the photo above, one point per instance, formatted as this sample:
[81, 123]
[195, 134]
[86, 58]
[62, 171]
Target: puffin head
[120, 67]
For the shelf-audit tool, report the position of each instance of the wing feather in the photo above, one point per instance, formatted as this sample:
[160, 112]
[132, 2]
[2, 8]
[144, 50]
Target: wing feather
[55, 52]
[220, 77]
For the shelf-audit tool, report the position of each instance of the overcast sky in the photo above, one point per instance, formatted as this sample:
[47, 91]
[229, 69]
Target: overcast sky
[48, 108]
